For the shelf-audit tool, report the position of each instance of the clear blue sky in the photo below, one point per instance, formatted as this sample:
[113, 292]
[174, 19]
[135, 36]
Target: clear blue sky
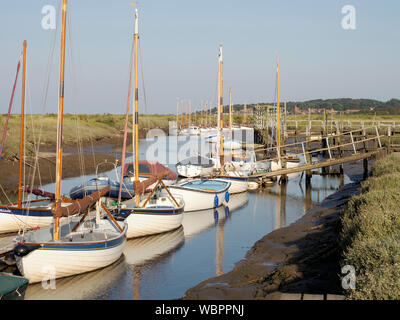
[179, 47]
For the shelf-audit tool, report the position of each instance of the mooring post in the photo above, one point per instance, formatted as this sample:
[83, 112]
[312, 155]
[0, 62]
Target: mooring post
[365, 166]
[307, 199]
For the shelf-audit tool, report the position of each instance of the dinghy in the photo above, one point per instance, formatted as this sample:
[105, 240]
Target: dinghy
[202, 194]
[12, 287]
[193, 167]
[146, 169]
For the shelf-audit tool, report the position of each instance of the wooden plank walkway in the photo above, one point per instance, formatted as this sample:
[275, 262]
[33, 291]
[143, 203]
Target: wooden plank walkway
[317, 165]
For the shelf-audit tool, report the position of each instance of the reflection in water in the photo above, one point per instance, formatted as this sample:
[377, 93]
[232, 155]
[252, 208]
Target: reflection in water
[219, 244]
[307, 198]
[149, 251]
[136, 283]
[280, 219]
[83, 286]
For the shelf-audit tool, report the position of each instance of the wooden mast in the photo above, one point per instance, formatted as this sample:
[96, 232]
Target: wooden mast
[136, 117]
[230, 110]
[278, 136]
[190, 113]
[21, 140]
[60, 120]
[177, 115]
[220, 108]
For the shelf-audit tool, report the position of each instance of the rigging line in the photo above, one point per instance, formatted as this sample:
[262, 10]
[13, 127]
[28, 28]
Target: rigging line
[29, 102]
[74, 94]
[44, 102]
[5, 194]
[10, 106]
[126, 125]
[273, 112]
[141, 70]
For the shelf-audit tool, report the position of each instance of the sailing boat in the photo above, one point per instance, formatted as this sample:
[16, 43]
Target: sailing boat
[153, 214]
[62, 250]
[31, 214]
[291, 162]
[238, 182]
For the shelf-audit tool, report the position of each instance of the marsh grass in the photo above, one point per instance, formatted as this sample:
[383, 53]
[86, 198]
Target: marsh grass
[86, 127]
[370, 235]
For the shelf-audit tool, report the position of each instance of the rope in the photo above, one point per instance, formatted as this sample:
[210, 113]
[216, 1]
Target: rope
[73, 73]
[141, 70]
[9, 107]
[44, 103]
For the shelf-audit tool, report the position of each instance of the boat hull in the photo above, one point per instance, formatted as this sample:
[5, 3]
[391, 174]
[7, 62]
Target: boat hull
[238, 184]
[197, 199]
[148, 221]
[13, 219]
[58, 260]
[193, 171]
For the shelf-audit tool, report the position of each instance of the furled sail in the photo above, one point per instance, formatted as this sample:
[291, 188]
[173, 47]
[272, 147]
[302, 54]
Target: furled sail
[39, 192]
[141, 186]
[79, 205]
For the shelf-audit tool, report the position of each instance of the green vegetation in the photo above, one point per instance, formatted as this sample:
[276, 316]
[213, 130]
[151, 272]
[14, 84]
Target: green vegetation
[366, 106]
[371, 233]
[86, 127]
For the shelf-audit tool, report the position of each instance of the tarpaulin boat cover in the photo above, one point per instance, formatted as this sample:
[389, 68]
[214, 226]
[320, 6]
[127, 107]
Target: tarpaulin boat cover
[150, 168]
[79, 205]
[197, 161]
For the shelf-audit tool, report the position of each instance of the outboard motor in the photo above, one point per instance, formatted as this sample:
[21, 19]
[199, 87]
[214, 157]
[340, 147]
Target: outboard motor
[22, 250]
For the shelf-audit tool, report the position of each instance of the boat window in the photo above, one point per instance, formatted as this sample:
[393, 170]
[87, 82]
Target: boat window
[130, 169]
[144, 168]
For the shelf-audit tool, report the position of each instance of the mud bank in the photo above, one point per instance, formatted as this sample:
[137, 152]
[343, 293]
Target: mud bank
[74, 164]
[301, 258]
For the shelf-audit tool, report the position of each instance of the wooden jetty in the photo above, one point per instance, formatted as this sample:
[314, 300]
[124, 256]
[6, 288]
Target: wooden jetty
[330, 149]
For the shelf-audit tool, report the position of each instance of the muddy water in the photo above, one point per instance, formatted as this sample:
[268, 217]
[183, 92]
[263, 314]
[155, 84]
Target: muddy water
[208, 244]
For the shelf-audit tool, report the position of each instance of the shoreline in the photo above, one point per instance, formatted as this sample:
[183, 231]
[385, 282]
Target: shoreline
[103, 150]
[302, 258]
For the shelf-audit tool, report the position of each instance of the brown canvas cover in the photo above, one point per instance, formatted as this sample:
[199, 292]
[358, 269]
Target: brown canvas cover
[79, 205]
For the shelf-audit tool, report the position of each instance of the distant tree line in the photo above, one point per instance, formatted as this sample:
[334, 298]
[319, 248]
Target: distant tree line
[342, 104]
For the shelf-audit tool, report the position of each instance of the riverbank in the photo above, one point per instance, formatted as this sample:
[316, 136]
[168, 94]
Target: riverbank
[303, 258]
[74, 164]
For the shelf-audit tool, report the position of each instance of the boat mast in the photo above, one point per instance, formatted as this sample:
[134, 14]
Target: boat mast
[190, 113]
[177, 115]
[21, 140]
[220, 107]
[136, 116]
[278, 136]
[126, 129]
[60, 120]
[230, 111]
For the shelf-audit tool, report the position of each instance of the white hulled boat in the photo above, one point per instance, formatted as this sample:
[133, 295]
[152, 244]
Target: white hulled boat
[196, 166]
[202, 194]
[75, 247]
[155, 213]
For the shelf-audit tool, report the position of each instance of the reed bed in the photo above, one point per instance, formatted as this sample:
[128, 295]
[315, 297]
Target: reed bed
[370, 234]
